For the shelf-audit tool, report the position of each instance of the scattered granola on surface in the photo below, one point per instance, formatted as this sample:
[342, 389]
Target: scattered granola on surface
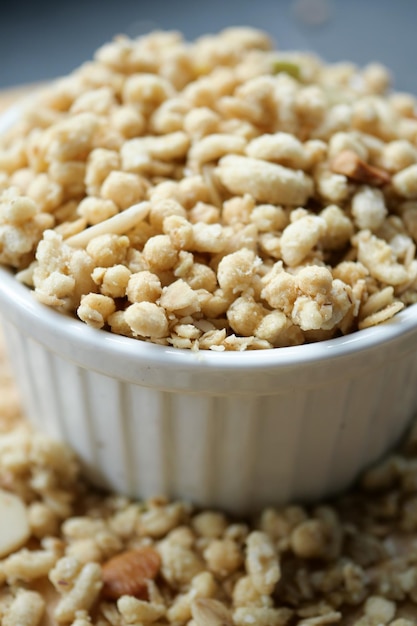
[87, 558]
[215, 194]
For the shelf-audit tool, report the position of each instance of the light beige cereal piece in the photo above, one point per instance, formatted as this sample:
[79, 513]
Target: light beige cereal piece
[160, 518]
[169, 116]
[26, 609]
[398, 155]
[118, 324]
[315, 152]
[18, 240]
[201, 276]
[138, 153]
[238, 210]
[134, 611]
[72, 138]
[339, 228]
[13, 158]
[118, 224]
[245, 594]
[164, 208]
[124, 189]
[69, 175]
[95, 309]
[282, 148]
[405, 182]
[143, 287]
[210, 612]
[147, 319]
[208, 238]
[128, 120]
[262, 562]
[201, 121]
[311, 105]
[266, 182]
[100, 163]
[332, 617]
[300, 237]
[213, 147]
[368, 208]
[179, 564]
[15, 529]
[82, 595]
[377, 77]
[203, 212]
[280, 291]
[112, 281]
[223, 557]
[15, 208]
[235, 271]
[261, 616]
[244, 315]
[268, 217]
[108, 249]
[84, 551]
[272, 326]
[332, 187]
[379, 259]
[309, 539]
[233, 108]
[377, 301]
[179, 298]
[380, 609]
[99, 101]
[211, 524]
[148, 90]
[180, 231]
[96, 210]
[185, 264]
[159, 253]
[382, 315]
[27, 565]
[47, 194]
[347, 141]
[43, 520]
[202, 586]
[326, 302]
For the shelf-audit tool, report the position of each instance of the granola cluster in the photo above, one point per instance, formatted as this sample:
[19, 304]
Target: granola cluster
[216, 194]
[98, 559]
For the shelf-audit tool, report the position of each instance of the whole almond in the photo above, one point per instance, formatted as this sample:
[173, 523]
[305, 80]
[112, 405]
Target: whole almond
[127, 573]
[209, 612]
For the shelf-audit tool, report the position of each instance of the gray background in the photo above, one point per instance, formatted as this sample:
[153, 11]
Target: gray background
[41, 40]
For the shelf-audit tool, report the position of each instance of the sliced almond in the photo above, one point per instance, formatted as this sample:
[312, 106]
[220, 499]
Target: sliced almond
[350, 165]
[209, 612]
[14, 524]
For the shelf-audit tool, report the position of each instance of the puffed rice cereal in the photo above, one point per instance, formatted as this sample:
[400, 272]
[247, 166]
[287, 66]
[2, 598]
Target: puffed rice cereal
[215, 194]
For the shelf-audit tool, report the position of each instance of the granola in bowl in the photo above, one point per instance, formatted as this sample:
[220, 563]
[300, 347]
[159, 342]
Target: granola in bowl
[213, 205]
[216, 194]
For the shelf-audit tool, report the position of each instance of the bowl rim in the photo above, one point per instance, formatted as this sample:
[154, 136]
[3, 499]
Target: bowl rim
[56, 329]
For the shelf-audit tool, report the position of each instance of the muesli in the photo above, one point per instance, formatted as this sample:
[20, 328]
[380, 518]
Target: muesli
[216, 194]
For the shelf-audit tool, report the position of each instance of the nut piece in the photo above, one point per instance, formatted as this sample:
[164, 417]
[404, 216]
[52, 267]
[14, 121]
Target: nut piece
[14, 527]
[127, 573]
[208, 612]
[350, 165]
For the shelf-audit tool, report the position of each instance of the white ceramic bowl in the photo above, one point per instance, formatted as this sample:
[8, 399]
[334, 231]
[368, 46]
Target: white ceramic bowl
[233, 430]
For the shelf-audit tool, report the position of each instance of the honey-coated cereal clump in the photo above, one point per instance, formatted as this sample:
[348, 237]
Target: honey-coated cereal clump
[214, 194]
